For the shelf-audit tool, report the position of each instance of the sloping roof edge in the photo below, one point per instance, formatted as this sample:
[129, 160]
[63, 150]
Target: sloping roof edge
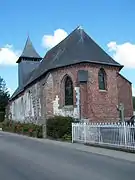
[124, 78]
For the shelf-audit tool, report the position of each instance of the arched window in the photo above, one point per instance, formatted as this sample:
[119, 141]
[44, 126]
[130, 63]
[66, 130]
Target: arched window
[68, 91]
[102, 79]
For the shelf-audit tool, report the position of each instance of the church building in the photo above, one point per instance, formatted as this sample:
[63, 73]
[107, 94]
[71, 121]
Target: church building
[75, 78]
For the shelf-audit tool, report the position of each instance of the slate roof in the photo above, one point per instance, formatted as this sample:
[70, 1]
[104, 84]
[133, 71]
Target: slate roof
[29, 51]
[76, 48]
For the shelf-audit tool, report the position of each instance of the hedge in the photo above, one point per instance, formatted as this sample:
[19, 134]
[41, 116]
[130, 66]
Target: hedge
[29, 129]
[59, 127]
[2, 116]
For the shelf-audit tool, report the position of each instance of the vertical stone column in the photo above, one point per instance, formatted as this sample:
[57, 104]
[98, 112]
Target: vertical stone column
[77, 98]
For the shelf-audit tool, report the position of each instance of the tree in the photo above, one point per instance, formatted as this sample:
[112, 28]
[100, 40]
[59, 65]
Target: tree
[134, 103]
[4, 95]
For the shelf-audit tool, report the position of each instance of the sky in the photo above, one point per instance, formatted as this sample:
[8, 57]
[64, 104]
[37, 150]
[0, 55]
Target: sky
[47, 22]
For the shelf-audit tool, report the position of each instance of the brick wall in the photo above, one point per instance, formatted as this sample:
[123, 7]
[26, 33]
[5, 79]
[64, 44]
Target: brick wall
[125, 95]
[102, 105]
[95, 104]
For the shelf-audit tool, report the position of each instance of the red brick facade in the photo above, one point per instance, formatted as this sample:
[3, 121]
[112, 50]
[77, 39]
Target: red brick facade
[96, 105]
[125, 95]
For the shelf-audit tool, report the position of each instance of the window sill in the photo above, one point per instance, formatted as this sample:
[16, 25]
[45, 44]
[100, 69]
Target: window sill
[104, 91]
[68, 107]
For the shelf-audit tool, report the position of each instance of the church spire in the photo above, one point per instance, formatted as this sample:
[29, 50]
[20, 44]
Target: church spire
[29, 52]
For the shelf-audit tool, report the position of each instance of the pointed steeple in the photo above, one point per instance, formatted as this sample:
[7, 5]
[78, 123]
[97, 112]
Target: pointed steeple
[29, 53]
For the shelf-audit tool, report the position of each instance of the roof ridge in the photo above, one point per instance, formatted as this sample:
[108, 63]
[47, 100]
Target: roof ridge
[68, 36]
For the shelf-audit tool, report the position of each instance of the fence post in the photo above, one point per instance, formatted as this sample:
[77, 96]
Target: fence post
[125, 134]
[85, 133]
[72, 132]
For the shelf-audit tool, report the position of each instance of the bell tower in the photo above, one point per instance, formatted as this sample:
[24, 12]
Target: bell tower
[27, 62]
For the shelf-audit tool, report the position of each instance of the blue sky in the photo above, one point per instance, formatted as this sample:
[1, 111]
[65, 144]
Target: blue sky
[109, 23]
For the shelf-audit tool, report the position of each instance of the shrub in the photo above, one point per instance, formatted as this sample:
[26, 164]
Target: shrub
[59, 127]
[29, 129]
[67, 137]
[2, 116]
[0, 125]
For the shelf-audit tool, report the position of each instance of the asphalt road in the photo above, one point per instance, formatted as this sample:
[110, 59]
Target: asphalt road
[25, 159]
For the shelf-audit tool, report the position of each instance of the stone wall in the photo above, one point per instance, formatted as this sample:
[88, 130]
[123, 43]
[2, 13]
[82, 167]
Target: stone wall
[27, 107]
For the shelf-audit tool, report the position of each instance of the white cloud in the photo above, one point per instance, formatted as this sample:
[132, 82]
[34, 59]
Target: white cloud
[133, 91]
[123, 53]
[8, 56]
[49, 41]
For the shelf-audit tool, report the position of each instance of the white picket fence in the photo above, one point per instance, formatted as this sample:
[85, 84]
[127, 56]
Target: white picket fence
[110, 134]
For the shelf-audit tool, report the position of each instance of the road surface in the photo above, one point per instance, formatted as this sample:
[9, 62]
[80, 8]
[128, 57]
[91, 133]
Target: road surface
[22, 158]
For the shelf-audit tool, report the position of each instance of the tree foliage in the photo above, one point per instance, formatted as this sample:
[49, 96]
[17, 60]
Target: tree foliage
[4, 95]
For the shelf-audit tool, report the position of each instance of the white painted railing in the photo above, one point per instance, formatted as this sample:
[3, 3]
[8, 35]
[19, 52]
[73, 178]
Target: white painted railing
[119, 135]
